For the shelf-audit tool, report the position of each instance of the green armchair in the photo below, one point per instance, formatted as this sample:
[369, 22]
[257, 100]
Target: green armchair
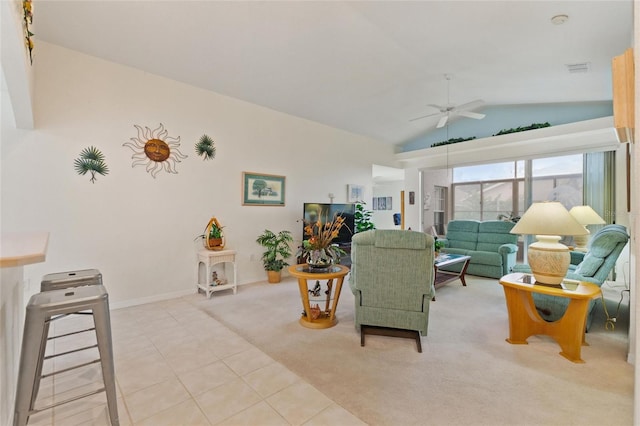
[602, 253]
[392, 280]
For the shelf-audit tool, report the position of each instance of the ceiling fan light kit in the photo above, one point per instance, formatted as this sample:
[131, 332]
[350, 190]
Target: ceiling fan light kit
[559, 19]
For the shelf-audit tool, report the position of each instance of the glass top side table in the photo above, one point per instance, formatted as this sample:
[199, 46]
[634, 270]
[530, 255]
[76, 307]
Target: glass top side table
[319, 303]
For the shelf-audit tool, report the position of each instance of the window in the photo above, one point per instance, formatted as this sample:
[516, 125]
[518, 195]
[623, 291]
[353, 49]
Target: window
[497, 191]
[467, 201]
[440, 209]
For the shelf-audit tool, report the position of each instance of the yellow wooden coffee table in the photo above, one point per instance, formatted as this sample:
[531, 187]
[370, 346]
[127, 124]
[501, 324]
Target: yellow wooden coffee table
[524, 320]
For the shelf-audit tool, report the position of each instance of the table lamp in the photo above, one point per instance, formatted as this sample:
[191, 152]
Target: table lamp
[585, 215]
[548, 258]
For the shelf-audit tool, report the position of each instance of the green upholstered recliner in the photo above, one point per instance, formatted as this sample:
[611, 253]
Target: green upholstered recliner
[602, 253]
[392, 280]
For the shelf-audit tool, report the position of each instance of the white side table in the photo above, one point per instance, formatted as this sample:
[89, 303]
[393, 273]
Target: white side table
[204, 270]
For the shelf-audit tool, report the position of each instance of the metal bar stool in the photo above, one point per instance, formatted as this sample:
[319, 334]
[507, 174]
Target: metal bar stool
[48, 306]
[62, 280]
[71, 279]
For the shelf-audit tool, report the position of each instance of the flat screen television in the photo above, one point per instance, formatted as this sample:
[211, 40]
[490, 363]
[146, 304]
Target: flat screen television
[313, 211]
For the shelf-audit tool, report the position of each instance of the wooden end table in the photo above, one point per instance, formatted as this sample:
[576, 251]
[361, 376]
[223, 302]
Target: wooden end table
[315, 316]
[524, 320]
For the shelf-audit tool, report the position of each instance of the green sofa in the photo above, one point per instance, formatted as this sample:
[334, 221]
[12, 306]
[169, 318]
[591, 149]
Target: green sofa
[492, 248]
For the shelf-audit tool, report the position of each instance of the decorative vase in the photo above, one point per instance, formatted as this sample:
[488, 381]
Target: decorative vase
[319, 261]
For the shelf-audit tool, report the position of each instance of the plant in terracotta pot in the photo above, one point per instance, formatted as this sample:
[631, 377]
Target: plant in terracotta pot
[277, 250]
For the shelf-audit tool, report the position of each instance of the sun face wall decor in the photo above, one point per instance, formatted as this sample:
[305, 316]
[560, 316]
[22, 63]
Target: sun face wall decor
[155, 149]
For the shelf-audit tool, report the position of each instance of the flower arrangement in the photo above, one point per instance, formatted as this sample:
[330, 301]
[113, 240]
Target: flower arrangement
[319, 248]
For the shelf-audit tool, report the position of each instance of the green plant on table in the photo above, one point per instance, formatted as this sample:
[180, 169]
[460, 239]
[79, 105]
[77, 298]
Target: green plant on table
[215, 231]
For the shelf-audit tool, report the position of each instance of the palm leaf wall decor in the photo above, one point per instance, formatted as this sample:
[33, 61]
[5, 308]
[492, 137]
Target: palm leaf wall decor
[93, 161]
[205, 148]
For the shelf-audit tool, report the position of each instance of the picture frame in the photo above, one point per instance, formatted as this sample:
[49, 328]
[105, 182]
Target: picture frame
[382, 203]
[260, 189]
[355, 193]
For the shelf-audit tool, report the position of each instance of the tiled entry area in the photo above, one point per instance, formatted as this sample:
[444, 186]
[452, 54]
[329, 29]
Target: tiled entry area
[175, 365]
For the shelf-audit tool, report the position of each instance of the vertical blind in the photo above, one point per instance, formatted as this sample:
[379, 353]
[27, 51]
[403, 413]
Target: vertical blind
[599, 183]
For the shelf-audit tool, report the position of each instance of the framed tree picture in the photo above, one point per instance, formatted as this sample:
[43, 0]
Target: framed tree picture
[262, 190]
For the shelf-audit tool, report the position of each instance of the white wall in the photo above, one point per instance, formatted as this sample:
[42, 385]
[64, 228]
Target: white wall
[16, 66]
[137, 230]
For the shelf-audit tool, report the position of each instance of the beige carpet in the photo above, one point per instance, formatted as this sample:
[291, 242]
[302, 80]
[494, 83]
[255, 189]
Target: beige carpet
[467, 373]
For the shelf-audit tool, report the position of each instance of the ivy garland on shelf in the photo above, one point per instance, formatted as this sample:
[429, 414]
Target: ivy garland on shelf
[453, 140]
[523, 129]
[501, 132]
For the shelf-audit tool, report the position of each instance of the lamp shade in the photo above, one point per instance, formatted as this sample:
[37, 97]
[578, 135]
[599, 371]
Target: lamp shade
[585, 215]
[548, 218]
[549, 260]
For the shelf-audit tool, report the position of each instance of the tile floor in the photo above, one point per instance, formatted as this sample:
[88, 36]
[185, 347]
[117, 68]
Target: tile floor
[175, 365]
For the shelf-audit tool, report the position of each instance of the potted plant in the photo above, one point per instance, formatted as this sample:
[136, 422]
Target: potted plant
[212, 236]
[277, 250]
[437, 246]
[362, 218]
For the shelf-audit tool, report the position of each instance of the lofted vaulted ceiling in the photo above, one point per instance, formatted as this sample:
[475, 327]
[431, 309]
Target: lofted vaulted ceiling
[365, 67]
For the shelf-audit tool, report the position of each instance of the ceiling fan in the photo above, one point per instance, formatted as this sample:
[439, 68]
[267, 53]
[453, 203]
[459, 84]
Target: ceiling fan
[448, 111]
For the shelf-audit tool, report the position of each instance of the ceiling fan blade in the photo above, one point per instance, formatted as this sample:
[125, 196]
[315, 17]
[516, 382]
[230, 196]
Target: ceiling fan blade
[442, 121]
[438, 107]
[470, 105]
[470, 114]
[425, 116]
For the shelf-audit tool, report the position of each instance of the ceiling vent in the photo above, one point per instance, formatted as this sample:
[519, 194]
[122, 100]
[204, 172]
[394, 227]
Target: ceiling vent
[578, 68]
